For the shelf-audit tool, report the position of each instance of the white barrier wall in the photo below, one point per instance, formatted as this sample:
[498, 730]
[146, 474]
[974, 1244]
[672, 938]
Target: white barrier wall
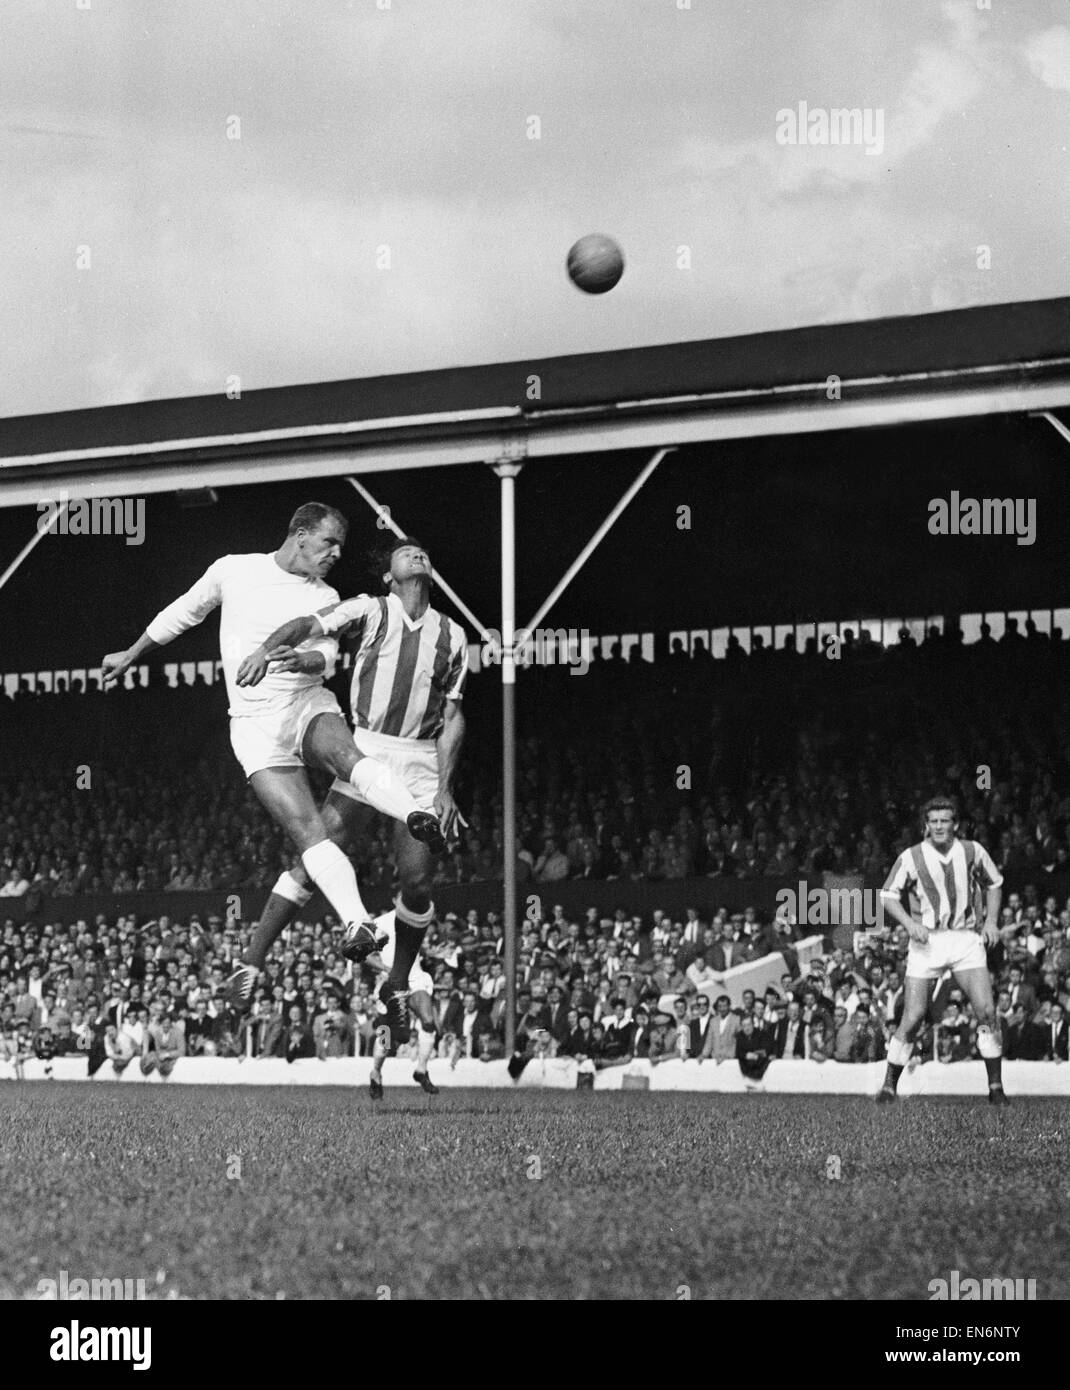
[799, 1077]
[276, 1071]
[560, 1073]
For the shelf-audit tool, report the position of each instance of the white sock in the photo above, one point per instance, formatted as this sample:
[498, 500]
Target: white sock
[899, 1052]
[424, 1047]
[382, 789]
[286, 886]
[333, 874]
[378, 1052]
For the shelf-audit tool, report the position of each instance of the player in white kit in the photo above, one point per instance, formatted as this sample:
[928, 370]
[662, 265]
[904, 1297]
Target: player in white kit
[290, 719]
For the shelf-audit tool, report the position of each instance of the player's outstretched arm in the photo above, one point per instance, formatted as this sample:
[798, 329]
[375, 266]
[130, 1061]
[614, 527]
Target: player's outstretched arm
[448, 751]
[178, 617]
[900, 878]
[917, 931]
[312, 663]
[116, 664]
[990, 930]
[289, 635]
[328, 622]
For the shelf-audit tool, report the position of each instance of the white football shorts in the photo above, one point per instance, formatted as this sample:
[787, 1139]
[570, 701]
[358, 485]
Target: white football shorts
[274, 740]
[420, 980]
[414, 760]
[946, 950]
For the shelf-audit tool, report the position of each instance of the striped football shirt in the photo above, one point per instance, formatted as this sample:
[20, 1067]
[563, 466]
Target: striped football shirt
[404, 671]
[942, 889]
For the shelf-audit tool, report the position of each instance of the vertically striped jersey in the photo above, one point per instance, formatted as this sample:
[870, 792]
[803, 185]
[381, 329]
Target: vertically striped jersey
[404, 670]
[943, 889]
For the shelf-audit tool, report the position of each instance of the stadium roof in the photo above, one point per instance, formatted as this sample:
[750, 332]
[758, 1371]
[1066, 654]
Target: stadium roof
[1001, 358]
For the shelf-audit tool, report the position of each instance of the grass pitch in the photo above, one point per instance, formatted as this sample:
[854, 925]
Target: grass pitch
[292, 1193]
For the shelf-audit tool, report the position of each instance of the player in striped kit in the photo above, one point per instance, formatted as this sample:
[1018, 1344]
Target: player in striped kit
[943, 878]
[291, 720]
[408, 680]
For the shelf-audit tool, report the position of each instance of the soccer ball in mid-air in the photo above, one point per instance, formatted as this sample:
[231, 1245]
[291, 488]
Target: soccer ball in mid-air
[595, 263]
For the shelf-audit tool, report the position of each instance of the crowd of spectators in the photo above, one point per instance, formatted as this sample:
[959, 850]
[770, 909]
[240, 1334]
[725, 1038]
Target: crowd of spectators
[768, 765]
[772, 765]
[603, 989]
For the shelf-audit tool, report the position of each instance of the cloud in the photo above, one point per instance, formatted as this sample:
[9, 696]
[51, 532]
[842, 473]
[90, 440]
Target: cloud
[944, 75]
[947, 76]
[1048, 56]
[407, 128]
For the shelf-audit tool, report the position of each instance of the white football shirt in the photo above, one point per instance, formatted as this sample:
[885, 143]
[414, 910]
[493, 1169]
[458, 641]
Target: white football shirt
[255, 596]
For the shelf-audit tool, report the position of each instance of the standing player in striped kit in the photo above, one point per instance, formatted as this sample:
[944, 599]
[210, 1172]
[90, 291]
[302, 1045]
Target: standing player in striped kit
[943, 877]
[408, 679]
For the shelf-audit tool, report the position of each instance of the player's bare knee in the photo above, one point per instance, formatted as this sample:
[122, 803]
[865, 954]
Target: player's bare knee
[300, 875]
[416, 870]
[341, 761]
[327, 742]
[307, 831]
[334, 824]
[416, 891]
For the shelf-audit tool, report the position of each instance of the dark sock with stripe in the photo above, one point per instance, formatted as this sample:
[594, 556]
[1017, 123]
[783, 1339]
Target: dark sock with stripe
[408, 938]
[891, 1077]
[407, 941]
[994, 1067]
[278, 913]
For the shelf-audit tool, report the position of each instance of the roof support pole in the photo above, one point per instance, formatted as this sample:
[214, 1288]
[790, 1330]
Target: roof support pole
[595, 541]
[35, 539]
[507, 472]
[383, 515]
[1055, 423]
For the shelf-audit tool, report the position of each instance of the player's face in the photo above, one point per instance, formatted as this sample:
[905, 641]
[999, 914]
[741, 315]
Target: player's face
[321, 548]
[940, 827]
[410, 562]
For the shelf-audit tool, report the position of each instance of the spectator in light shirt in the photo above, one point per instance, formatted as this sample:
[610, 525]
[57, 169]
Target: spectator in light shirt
[699, 973]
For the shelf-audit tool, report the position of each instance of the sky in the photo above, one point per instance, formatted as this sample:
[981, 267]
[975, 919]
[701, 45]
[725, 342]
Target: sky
[387, 209]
